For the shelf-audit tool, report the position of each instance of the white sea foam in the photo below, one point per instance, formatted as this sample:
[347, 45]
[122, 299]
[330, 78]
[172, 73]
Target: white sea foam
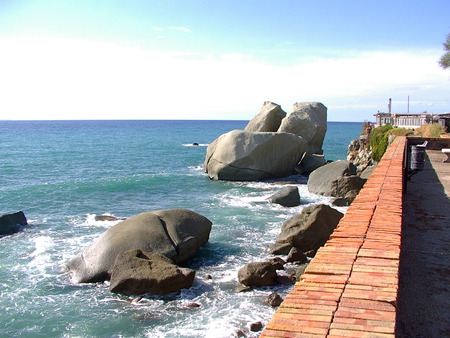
[90, 221]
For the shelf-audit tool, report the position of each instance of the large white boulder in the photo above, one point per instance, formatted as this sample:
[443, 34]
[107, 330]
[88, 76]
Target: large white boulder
[308, 120]
[174, 233]
[251, 156]
[268, 119]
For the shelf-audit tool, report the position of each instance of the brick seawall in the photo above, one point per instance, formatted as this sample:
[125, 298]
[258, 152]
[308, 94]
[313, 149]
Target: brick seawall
[350, 287]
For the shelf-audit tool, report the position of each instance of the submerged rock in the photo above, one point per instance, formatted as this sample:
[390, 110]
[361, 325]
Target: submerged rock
[12, 223]
[109, 218]
[175, 233]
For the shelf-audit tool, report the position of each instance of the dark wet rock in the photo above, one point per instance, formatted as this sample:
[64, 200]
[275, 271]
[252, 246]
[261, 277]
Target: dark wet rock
[285, 280]
[295, 255]
[346, 184]
[256, 327]
[108, 218]
[287, 197]
[310, 253]
[240, 334]
[339, 202]
[300, 271]
[274, 299]
[193, 305]
[258, 274]
[277, 262]
[243, 288]
[323, 180]
[307, 231]
[351, 195]
[12, 223]
[136, 272]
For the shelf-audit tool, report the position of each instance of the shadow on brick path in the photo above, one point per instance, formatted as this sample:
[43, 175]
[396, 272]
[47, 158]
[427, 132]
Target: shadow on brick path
[424, 276]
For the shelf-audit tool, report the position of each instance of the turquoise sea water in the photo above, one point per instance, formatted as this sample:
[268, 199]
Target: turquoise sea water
[63, 173]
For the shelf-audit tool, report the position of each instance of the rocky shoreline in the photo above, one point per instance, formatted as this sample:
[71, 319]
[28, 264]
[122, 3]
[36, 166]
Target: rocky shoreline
[144, 254]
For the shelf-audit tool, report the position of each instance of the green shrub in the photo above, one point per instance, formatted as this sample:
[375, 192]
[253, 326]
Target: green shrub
[379, 142]
[380, 137]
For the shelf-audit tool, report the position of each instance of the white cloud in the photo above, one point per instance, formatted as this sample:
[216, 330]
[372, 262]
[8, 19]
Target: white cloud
[180, 29]
[70, 79]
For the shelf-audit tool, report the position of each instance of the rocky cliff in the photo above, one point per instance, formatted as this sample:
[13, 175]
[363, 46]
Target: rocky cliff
[360, 154]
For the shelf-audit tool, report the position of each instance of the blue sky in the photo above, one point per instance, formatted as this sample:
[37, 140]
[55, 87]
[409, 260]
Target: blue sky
[171, 59]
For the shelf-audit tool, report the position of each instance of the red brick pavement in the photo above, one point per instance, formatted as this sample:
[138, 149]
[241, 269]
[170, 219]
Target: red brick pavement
[350, 287]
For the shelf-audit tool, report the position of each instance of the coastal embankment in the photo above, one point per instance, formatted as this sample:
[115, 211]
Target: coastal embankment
[350, 287]
[385, 270]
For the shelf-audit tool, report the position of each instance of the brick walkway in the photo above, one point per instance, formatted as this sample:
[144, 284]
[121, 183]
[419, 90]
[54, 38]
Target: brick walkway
[350, 287]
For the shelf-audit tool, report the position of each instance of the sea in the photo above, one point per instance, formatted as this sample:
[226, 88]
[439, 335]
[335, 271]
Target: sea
[62, 174]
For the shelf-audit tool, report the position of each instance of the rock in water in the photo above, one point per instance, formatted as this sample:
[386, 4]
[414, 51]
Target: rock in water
[109, 218]
[12, 223]
[256, 327]
[136, 272]
[333, 179]
[268, 119]
[259, 273]
[274, 299]
[308, 120]
[287, 197]
[259, 153]
[246, 156]
[295, 255]
[174, 233]
[309, 163]
[307, 231]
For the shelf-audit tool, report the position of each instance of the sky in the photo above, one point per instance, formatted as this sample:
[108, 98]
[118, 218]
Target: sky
[221, 59]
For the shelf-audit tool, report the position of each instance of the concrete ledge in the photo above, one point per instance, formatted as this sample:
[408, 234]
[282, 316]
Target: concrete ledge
[350, 287]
